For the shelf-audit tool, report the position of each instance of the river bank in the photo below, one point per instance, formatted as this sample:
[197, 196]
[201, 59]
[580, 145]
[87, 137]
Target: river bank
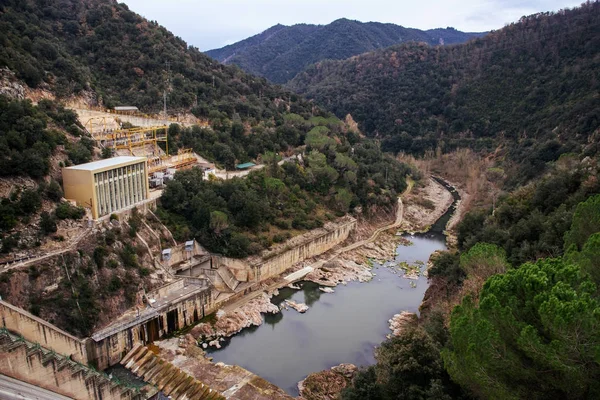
[423, 207]
[234, 382]
[347, 264]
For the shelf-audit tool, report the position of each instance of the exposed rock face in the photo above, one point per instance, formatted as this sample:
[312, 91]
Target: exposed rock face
[300, 307]
[10, 86]
[328, 384]
[425, 205]
[231, 322]
[401, 321]
[340, 271]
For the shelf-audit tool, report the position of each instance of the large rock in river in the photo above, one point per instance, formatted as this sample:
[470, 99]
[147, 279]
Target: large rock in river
[328, 384]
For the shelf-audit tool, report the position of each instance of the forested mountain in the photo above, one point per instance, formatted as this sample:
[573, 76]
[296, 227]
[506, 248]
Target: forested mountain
[281, 52]
[532, 86]
[100, 46]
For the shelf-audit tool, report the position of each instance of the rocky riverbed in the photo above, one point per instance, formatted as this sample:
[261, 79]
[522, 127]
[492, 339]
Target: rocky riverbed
[229, 323]
[234, 382]
[401, 321]
[335, 268]
[424, 205]
[327, 385]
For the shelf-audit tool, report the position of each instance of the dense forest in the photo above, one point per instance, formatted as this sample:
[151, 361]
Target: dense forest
[516, 309]
[29, 136]
[519, 313]
[333, 173]
[525, 282]
[531, 88]
[281, 52]
[103, 48]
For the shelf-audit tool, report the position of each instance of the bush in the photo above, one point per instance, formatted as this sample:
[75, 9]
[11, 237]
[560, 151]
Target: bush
[66, 211]
[115, 283]
[54, 191]
[100, 253]
[47, 224]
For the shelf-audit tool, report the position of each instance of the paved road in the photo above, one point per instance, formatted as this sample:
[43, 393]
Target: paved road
[13, 389]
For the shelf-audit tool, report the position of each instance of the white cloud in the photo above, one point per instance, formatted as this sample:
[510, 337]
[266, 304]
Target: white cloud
[211, 24]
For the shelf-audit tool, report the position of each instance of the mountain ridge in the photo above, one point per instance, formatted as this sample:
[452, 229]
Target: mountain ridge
[281, 52]
[534, 80]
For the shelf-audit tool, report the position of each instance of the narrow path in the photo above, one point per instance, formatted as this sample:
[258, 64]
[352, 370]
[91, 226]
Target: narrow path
[395, 224]
[55, 253]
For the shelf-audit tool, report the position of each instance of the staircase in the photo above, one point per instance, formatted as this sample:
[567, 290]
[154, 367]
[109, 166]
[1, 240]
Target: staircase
[165, 376]
[228, 278]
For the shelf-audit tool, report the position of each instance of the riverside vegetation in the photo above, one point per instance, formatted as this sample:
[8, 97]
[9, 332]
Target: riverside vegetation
[336, 172]
[516, 310]
[517, 315]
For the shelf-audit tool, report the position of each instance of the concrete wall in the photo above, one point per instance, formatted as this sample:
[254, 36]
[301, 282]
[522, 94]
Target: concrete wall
[79, 186]
[110, 350]
[39, 331]
[125, 213]
[277, 262]
[49, 373]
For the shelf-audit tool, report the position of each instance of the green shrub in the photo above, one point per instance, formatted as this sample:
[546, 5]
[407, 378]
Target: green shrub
[66, 211]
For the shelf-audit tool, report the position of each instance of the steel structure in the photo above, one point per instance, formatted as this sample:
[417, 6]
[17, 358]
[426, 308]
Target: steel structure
[184, 158]
[139, 140]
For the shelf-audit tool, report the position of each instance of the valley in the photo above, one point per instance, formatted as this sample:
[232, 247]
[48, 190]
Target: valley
[414, 214]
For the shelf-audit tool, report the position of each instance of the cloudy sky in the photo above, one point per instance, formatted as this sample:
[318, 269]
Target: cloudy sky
[209, 24]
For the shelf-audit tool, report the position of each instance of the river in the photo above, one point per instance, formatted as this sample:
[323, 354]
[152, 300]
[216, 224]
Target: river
[340, 327]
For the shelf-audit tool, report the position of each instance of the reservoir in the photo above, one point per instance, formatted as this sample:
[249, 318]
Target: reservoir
[340, 327]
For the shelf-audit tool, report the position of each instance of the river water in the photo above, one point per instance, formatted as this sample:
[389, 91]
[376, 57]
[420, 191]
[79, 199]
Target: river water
[340, 327]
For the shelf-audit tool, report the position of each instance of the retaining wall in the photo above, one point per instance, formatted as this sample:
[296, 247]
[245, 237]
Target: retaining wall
[297, 250]
[37, 330]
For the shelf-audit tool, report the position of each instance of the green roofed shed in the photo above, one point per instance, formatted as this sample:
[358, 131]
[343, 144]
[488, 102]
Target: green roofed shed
[245, 165]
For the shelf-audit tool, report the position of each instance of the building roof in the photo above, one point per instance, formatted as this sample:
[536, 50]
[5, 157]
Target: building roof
[125, 108]
[108, 163]
[245, 165]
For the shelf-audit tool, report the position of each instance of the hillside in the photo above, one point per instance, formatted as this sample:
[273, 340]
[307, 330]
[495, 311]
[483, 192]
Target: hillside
[532, 86]
[79, 277]
[102, 51]
[118, 57]
[281, 52]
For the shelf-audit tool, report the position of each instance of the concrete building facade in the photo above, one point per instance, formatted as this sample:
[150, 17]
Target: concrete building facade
[107, 186]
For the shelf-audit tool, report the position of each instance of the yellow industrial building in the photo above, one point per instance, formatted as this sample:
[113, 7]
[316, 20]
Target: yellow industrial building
[107, 186]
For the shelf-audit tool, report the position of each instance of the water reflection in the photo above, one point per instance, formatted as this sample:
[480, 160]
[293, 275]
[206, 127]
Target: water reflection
[273, 319]
[312, 294]
[341, 327]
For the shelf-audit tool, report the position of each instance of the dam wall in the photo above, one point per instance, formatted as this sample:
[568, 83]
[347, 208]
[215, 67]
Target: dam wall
[171, 308]
[37, 330]
[29, 362]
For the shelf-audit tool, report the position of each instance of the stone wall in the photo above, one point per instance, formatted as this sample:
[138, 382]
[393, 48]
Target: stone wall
[39, 331]
[296, 250]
